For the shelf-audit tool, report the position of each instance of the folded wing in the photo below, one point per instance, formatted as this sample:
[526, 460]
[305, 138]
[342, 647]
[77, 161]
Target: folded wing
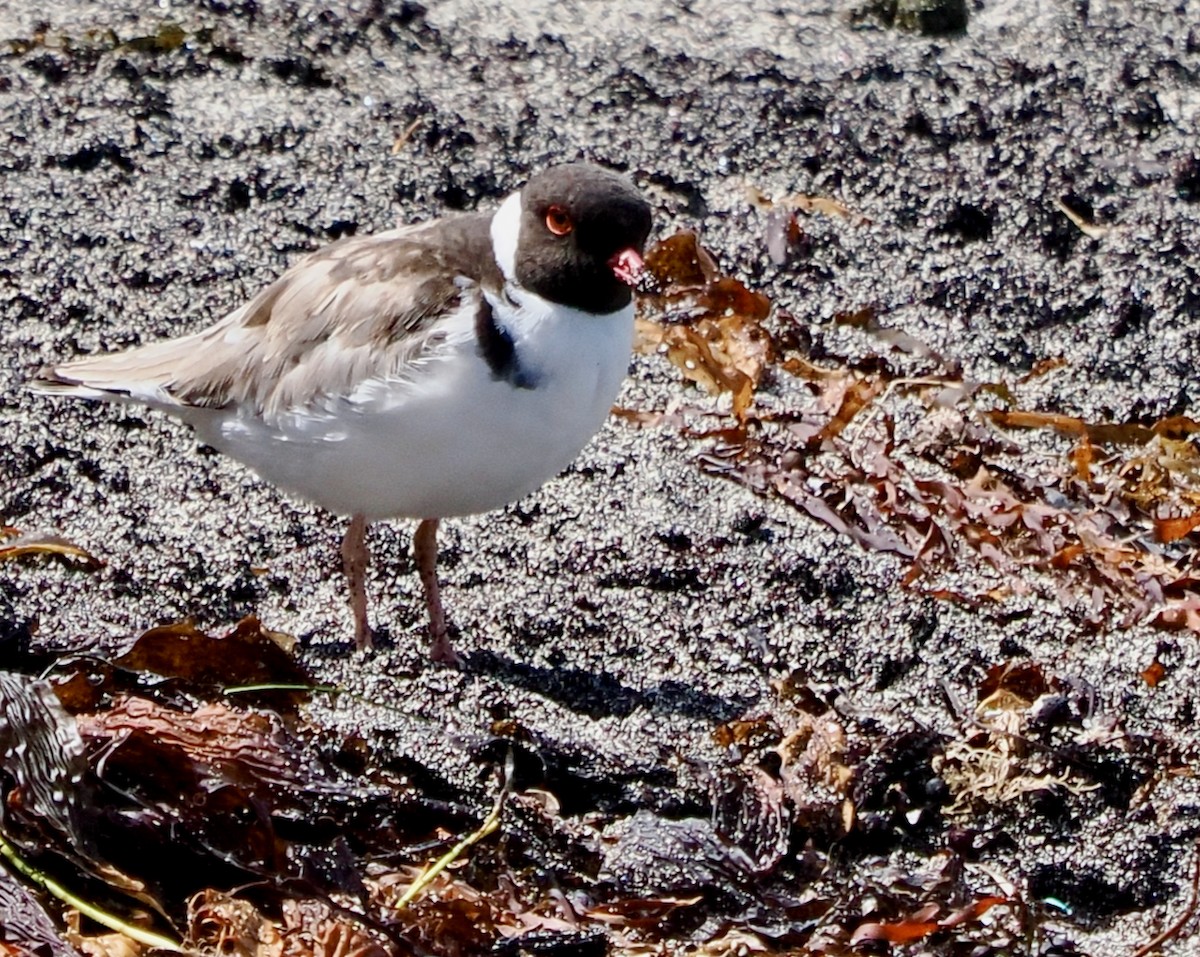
[361, 308]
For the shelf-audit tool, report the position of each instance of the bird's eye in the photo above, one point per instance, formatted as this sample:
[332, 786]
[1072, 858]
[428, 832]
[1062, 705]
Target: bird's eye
[558, 221]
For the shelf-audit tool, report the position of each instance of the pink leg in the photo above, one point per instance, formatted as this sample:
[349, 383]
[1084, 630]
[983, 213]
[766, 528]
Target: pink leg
[355, 559]
[425, 550]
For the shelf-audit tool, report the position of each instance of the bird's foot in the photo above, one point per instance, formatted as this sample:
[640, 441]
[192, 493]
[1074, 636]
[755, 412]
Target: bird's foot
[355, 559]
[364, 636]
[441, 651]
[425, 550]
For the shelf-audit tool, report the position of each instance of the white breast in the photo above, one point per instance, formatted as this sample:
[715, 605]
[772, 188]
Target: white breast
[450, 439]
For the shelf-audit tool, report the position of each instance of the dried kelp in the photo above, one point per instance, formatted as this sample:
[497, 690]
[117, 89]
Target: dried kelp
[1109, 535]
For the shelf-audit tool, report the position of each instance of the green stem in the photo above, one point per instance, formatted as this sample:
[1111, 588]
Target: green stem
[487, 827]
[105, 919]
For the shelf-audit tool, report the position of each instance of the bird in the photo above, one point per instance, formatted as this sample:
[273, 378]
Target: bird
[439, 369]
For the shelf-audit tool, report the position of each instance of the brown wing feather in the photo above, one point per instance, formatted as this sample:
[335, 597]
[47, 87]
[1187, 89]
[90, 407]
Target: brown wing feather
[361, 307]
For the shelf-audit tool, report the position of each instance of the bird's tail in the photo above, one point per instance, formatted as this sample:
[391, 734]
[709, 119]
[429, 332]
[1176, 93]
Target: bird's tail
[138, 375]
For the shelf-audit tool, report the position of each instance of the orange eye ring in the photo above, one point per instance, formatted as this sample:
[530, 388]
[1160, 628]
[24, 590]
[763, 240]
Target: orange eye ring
[558, 221]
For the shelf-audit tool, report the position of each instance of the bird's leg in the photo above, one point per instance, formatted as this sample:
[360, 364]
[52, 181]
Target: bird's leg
[425, 550]
[355, 559]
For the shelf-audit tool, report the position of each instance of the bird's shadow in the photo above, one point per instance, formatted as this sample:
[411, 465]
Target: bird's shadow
[589, 693]
[600, 695]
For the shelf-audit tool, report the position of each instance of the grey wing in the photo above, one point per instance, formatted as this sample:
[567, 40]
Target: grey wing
[357, 309]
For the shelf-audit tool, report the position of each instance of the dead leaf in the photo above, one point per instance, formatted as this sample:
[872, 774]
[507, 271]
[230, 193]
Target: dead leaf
[248, 655]
[805, 204]
[643, 912]
[919, 924]
[100, 945]
[1088, 228]
[26, 545]
[745, 732]
[1082, 456]
[1042, 367]
[1122, 433]
[1154, 673]
[899, 932]
[221, 924]
[1173, 529]
[1012, 686]
[214, 742]
[707, 325]
[972, 911]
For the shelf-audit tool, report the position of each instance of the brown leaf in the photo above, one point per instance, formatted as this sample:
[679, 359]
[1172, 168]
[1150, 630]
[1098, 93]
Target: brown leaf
[919, 925]
[815, 753]
[82, 690]
[1176, 426]
[1041, 368]
[749, 813]
[1119, 433]
[648, 419]
[1065, 557]
[250, 749]
[213, 781]
[1018, 419]
[815, 773]
[745, 732]
[1154, 673]
[972, 911]
[801, 368]
[310, 927]
[726, 354]
[100, 945]
[804, 203]
[250, 654]
[1183, 613]
[25, 545]
[1012, 686]
[707, 324]
[645, 912]
[681, 261]
[1173, 529]
[900, 932]
[1082, 456]
[107, 945]
[220, 924]
[855, 395]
